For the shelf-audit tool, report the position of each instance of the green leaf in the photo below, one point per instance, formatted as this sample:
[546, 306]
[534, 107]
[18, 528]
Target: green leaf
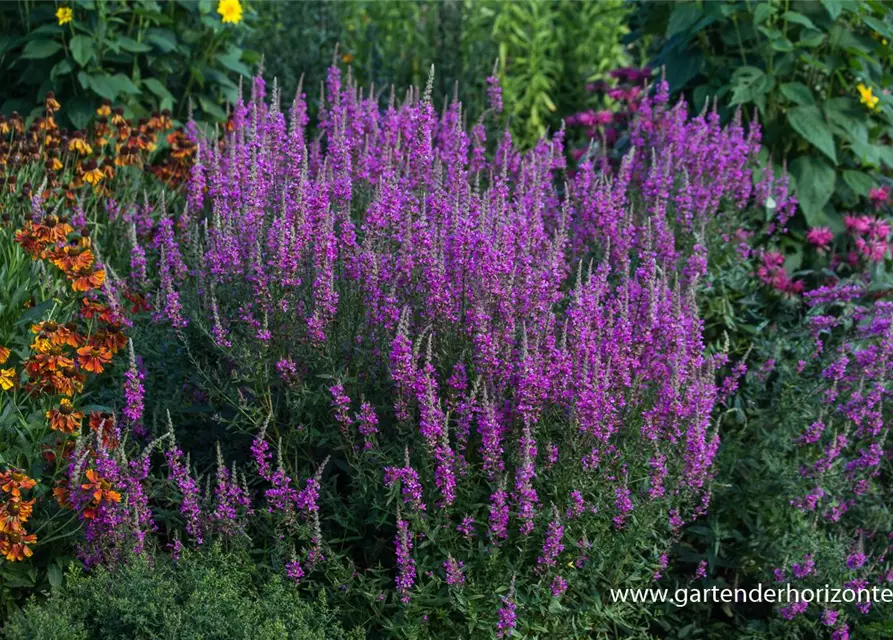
[111, 87]
[878, 27]
[129, 44]
[833, 7]
[81, 49]
[763, 11]
[798, 93]
[211, 108]
[80, 111]
[61, 68]
[798, 18]
[815, 181]
[40, 48]
[859, 181]
[232, 61]
[165, 40]
[749, 83]
[155, 86]
[684, 16]
[809, 123]
[54, 574]
[809, 38]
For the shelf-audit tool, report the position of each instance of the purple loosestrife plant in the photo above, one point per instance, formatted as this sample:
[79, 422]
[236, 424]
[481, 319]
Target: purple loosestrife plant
[516, 337]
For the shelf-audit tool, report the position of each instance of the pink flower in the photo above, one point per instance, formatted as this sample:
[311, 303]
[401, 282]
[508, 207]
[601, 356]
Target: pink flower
[820, 237]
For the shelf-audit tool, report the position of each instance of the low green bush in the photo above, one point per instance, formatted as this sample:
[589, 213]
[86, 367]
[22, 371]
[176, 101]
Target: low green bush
[204, 595]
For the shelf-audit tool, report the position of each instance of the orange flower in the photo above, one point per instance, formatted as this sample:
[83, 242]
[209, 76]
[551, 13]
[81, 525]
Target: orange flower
[12, 482]
[100, 489]
[62, 495]
[8, 379]
[16, 510]
[64, 418]
[112, 339]
[4, 354]
[14, 541]
[86, 282]
[80, 145]
[50, 103]
[92, 309]
[67, 382]
[93, 357]
[105, 109]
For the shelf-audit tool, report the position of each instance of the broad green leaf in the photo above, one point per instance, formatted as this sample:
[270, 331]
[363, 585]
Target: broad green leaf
[131, 45]
[809, 123]
[79, 110]
[81, 49]
[798, 18]
[763, 11]
[232, 61]
[798, 93]
[833, 7]
[859, 181]
[211, 108]
[155, 86]
[810, 38]
[40, 48]
[165, 40]
[61, 68]
[815, 181]
[748, 83]
[847, 118]
[878, 27]
[103, 85]
[685, 15]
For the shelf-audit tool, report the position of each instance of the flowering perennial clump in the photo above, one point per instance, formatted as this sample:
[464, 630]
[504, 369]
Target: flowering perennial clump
[500, 340]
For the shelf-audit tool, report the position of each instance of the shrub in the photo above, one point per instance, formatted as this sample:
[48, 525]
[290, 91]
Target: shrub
[812, 72]
[143, 54]
[202, 595]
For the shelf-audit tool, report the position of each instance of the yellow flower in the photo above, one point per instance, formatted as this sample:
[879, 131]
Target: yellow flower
[64, 14]
[7, 379]
[230, 11]
[866, 97]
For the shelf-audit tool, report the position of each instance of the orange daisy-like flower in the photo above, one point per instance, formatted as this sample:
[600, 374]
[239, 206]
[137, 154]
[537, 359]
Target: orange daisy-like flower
[112, 339]
[92, 309]
[92, 358]
[64, 418]
[66, 382]
[15, 541]
[100, 490]
[62, 495]
[16, 510]
[13, 482]
[105, 110]
[87, 281]
[4, 354]
[8, 379]
[77, 143]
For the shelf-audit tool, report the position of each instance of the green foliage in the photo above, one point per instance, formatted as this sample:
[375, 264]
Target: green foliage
[799, 67]
[205, 595]
[547, 50]
[142, 54]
